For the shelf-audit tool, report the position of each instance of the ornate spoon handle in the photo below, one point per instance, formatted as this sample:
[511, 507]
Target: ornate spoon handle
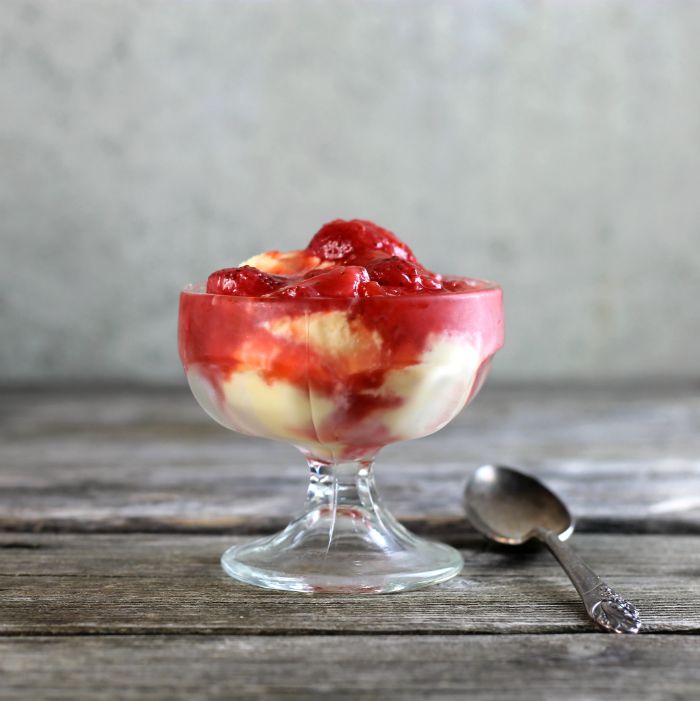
[604, 605]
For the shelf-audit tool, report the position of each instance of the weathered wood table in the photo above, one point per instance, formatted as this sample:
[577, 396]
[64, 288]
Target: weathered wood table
[115, 506]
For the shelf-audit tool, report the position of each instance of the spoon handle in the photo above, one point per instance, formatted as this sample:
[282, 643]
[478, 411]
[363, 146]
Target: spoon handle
[603, 604]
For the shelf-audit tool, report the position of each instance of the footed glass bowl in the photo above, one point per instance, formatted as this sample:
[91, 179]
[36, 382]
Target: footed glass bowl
[340, 379]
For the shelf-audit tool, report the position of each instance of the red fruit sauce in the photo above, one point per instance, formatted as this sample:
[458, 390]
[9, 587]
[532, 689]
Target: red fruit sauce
[352, 259]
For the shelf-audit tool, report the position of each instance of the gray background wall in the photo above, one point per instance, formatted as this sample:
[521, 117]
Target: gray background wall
[553, 146]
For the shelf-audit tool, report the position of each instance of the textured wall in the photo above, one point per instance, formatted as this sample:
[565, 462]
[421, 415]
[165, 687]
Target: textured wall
[553, 146]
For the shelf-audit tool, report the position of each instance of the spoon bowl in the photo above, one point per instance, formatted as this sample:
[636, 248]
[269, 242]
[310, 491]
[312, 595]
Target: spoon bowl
[509, 506]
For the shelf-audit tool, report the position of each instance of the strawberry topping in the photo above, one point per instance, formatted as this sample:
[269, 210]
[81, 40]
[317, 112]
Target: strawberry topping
[353, 258]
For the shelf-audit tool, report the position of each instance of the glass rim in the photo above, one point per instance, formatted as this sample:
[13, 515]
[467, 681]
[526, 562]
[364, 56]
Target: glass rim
[485, 287]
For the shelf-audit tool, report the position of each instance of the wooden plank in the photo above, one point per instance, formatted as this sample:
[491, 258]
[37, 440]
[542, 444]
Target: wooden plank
[478, 667]
[144, 583]
[625, 459]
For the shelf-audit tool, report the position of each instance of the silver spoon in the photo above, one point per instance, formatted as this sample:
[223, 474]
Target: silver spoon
[511, 508]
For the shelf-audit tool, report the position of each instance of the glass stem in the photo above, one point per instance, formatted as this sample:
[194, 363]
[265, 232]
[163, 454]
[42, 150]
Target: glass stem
[341, 484]
[341, 489]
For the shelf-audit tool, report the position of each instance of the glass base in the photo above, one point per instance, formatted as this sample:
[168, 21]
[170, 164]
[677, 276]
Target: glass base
[345, 542]
[370, 561]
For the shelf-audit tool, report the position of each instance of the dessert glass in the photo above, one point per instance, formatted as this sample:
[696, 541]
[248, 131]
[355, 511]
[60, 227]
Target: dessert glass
[339, 378]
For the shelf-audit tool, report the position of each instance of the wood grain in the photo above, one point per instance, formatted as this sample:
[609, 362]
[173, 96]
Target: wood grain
[625, 459]
[140, 583]
[362, 667]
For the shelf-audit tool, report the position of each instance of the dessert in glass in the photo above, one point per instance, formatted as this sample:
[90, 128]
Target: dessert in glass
[340, 349]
